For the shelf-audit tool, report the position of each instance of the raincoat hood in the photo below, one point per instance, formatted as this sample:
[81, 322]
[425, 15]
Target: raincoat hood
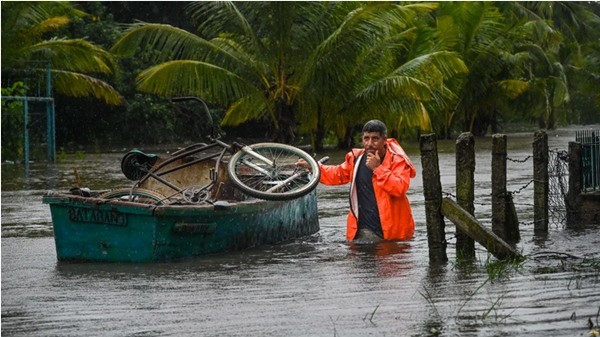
[395, 148]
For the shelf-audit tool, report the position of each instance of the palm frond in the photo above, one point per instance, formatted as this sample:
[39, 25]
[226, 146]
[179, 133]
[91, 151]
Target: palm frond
[75, 55]
[175, 44]
[513, 88]
[188, 77]
[21, 15]
[395, 87]
[246, 61]
[446, 64]
[47, 25]
[253, 106]
[539, 58]
[448, 33]
[80, 85]
[360, 28]
[172, 42]
[216, 17]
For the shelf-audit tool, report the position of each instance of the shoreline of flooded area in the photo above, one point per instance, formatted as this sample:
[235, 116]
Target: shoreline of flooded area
[315, 286]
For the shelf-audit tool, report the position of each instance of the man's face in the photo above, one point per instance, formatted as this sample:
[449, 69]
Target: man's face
[374, 142]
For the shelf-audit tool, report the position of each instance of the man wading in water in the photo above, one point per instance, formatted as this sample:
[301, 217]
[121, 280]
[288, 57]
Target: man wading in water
[380, 176]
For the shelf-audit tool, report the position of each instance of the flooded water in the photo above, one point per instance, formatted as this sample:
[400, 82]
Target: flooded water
[315, 286]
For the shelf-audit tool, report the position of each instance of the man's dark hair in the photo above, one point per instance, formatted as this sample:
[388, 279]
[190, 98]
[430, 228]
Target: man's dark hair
[375, 125]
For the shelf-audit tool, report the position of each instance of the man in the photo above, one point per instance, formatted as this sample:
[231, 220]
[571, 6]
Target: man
[380, 176]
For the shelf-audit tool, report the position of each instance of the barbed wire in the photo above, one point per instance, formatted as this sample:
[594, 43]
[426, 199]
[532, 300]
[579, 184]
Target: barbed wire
[519, 160]
[522, 188]
[557, 188]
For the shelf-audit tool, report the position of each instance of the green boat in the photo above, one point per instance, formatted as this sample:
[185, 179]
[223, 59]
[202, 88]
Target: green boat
[97, 229]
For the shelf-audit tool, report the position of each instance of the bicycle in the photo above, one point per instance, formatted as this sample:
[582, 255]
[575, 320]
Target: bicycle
[264, 170]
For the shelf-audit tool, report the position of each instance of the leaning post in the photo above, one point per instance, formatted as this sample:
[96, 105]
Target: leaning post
[432, 191]
[540, 182]
[465, 189]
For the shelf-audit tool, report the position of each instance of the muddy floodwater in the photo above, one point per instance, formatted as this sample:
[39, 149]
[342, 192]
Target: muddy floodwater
[315, 286]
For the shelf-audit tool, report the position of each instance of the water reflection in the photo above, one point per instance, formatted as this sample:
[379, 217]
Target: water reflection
[315, 286]
[385, 258]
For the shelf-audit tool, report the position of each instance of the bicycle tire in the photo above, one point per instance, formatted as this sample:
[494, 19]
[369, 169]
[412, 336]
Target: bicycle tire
[284, 157]
[140, 195]
[135, 164]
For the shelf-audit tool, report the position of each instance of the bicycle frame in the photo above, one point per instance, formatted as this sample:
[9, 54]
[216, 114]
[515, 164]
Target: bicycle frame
[266, 166]
[157, 172]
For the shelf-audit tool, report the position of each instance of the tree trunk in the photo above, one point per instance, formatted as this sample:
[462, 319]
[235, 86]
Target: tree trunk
[542, 120]
[286, 131]
[551, 123]
[346, 143]
[319, 133]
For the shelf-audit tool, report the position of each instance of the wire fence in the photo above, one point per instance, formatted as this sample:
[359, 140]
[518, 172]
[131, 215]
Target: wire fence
[558, 185]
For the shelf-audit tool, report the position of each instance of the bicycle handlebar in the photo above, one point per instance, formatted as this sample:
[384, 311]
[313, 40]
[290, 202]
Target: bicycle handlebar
[197, 99]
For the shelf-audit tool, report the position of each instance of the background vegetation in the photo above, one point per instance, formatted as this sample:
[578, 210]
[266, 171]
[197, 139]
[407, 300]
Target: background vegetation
[296, 72]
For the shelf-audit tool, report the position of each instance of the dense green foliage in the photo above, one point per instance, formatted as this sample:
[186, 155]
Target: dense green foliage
[299, 70]
[12, 114]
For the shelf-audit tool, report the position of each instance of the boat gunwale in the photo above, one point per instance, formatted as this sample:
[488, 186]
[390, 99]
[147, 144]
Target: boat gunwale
[65, 197]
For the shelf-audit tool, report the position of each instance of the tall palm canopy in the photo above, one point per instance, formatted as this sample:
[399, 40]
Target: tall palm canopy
[27, 49]
[295, 63]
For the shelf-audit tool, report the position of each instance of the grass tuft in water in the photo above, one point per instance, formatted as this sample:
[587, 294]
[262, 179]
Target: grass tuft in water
[502, 269]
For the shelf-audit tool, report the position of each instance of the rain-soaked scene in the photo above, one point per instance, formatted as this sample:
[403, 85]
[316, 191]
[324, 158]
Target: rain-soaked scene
[131, 207]
[319, 285]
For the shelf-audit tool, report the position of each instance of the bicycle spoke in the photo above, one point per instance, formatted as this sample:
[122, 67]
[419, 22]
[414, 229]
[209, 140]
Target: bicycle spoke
[281, 180]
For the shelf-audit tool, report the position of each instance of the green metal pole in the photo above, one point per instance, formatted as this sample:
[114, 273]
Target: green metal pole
[26, 132]
[50, 123]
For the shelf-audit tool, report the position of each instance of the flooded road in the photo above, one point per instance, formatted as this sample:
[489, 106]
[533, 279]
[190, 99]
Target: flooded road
[315, 286]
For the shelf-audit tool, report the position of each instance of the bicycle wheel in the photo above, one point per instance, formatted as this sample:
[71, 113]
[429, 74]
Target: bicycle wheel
[282, 180]
[140, 195]
[135, 164]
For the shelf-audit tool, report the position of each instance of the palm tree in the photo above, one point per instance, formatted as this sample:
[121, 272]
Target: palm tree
[570, 55]
[546, 75]
[394, 79]
[324, 65]
[28, 46]
[480, 33]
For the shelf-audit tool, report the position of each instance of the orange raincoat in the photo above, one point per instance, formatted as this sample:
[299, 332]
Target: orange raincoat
[390, 183]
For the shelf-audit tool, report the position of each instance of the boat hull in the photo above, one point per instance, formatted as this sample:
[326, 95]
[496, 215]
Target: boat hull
[93, 229]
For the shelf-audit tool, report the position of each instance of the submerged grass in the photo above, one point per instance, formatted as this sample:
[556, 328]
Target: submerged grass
[502, 269]
[582, 269]
[496, 270]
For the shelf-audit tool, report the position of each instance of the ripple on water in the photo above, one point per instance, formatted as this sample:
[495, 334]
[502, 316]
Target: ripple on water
[314, 286]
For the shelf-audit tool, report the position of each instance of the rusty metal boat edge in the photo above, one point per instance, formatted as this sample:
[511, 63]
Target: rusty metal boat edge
[95, 229]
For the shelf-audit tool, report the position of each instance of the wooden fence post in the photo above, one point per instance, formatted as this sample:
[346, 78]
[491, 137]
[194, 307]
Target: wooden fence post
[465, 189]
[499, 185]
[432, 191]
[504, 219]
[540, 182]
